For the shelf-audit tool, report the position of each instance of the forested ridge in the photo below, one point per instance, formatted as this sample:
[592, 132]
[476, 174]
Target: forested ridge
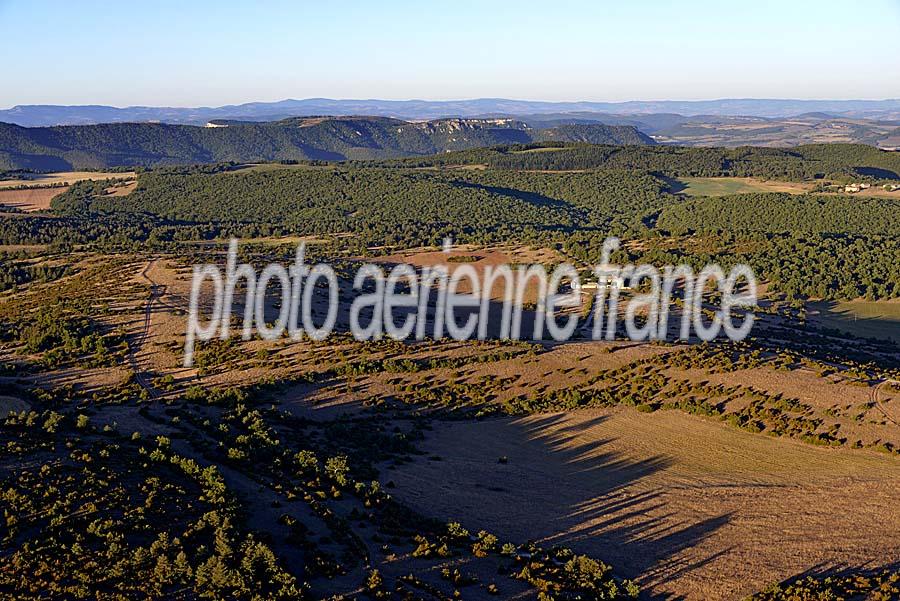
[813, 161]
[340, 198]
[332, 138]
[389, 206]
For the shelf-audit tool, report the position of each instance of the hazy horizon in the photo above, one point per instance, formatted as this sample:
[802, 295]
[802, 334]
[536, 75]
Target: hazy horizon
[466, 99]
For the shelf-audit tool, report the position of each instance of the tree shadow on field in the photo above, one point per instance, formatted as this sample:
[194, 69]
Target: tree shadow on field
[626, 519]
[558, 478]
[532, 198]
[840, 570]
[673, 185]
[559, 481]
[879, 330]
[876, 172]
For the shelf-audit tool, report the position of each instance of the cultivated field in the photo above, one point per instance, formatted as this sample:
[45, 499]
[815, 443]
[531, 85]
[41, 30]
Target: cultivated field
[63, 178]
[34, 191]
[30, 199]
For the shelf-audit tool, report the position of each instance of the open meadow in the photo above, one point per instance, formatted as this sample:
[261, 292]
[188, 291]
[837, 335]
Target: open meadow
[873, 319]
[691, 509]
[723, 186]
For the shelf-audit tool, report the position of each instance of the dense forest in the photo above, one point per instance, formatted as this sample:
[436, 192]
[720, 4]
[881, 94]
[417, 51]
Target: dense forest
[386, 206]
[811, 245]
[813, 161]
[784, 213]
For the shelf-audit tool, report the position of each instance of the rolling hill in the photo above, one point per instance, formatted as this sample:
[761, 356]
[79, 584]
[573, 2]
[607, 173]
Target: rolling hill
[306, 138]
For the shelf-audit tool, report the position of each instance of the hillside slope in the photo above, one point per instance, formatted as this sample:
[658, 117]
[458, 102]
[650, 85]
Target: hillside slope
[317, 138]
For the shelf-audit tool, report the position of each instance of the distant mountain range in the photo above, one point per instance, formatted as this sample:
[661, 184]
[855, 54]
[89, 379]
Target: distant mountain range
[317, 138]
[47, 115]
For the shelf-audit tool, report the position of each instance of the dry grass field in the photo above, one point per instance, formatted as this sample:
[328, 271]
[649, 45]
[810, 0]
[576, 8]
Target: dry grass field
[691, 508]
[33, 192]
[63, 178]
[479, 259]
[832, 399]
[30, 199]
[121, 189]
[723, 186]
[876, 319]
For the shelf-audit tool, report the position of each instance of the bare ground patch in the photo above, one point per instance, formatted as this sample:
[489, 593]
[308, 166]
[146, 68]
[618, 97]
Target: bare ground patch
[30, 199]
[64, 178]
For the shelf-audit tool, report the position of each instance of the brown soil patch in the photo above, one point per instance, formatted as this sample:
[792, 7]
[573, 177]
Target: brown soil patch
[64, 177]
[30, 199]
[480, 259]
[121, 189]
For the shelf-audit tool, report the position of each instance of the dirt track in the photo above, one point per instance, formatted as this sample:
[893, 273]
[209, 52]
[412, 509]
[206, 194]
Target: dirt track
[889, 414]
[140, 374]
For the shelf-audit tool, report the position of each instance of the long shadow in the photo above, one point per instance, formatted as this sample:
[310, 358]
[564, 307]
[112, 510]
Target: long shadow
[532, 198]
[562, 482]
[839, 570]
[876, 172]
[673, 185]
[612, 510]
[823, 570]
[558, 486]
[875, 328]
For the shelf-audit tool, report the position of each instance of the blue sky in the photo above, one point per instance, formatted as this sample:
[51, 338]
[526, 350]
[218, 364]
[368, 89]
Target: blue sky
[197, 53]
